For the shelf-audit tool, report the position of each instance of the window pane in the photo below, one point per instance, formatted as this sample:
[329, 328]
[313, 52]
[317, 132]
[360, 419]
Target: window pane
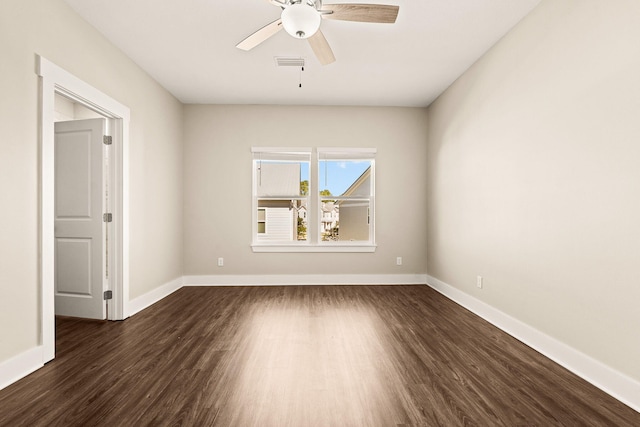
[344, 177]
[345, 220]
[284, 220]
[281, 178]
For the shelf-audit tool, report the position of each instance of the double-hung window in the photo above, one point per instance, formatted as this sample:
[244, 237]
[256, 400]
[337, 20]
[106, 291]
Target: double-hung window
[280, 196]
[346, 184]
[313, 199]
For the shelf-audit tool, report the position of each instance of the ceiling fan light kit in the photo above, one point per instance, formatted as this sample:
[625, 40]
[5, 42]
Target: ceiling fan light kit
[302, 18]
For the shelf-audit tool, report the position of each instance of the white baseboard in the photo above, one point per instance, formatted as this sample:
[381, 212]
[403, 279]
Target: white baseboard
[138, 304]
[306, 279]
[612, 382]
[20, 366]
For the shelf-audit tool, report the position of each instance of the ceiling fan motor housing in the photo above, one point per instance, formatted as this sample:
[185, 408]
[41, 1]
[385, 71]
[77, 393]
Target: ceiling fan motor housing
[301, 20]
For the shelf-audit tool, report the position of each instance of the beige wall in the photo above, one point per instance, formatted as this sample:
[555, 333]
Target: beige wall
[218, 185]
[534, 178]
[51, 29]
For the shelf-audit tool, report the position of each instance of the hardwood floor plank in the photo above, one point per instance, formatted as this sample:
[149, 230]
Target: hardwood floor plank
[302, 356]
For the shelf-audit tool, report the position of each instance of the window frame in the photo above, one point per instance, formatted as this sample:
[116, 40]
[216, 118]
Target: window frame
[274, 154]
[349, 154]
[314, 242]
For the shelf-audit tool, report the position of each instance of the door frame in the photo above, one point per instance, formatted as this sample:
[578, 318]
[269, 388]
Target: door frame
[54, 79]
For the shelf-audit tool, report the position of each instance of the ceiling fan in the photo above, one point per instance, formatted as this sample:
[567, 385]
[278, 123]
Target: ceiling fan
[301, 19]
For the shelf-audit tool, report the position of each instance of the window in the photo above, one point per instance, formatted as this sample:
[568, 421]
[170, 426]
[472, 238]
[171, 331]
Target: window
[281, 195]
[346, 196]
[313, 200]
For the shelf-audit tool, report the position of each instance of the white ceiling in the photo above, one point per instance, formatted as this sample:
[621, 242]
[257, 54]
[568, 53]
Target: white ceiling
[188, 46]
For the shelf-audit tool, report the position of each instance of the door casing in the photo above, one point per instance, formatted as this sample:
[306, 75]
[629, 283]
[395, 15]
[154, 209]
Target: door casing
[54, 79]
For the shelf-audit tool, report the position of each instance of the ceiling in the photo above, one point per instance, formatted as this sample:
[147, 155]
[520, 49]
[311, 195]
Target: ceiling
[188, 46]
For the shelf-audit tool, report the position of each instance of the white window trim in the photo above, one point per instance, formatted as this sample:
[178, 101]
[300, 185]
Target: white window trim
[314, 242]
[309, 247]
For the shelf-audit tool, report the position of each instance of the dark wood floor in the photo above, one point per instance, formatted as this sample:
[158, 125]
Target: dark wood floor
[302, 356]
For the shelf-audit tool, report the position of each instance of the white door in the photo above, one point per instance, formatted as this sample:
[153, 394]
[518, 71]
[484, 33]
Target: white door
[79, 227]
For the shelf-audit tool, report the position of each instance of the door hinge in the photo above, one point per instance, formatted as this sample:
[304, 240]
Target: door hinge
[107, 217]
[108, 295]
[107, 140]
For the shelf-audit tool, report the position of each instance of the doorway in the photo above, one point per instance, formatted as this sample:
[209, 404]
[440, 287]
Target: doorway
[55, 81]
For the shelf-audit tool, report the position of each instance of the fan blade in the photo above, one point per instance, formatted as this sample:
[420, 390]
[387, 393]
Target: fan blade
[321, 48]
[261, 35]
[379, 13]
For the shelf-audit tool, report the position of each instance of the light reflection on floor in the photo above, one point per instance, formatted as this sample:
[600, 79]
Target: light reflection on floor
[297, 369]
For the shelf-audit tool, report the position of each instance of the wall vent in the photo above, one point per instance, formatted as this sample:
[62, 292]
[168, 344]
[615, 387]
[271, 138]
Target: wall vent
[284, 61]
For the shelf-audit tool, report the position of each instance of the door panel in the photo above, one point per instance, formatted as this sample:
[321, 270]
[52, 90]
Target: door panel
[79, 227]
[73, 175]
[73, 267]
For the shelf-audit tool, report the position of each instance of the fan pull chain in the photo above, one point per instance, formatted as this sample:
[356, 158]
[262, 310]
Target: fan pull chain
[300, 76]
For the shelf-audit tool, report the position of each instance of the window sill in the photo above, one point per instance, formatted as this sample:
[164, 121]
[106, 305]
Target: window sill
[333, 248]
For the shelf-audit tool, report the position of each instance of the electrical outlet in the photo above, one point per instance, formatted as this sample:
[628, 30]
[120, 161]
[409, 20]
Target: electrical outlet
[220, 262]
[399, 260]
[479, 282]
